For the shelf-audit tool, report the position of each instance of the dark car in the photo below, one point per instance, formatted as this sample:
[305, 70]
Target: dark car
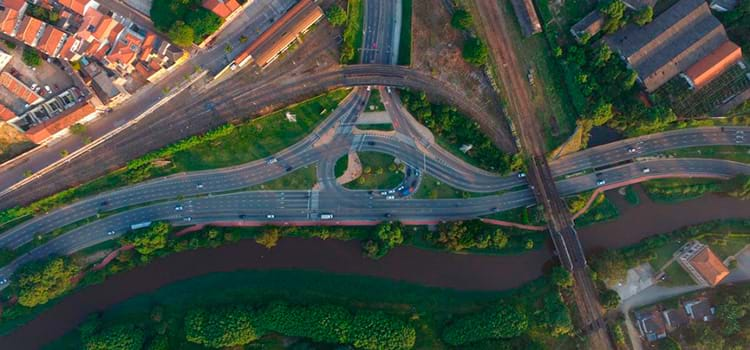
[388, 215]
[243, 216]
[104, 203]
[288, 169]
[371, 143]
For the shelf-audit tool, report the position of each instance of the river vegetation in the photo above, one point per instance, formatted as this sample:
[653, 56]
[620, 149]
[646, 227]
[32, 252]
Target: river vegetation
[677, 190]
[453, 129]
[40, 284]
[227, 145]
[725, 237]
[310, 309]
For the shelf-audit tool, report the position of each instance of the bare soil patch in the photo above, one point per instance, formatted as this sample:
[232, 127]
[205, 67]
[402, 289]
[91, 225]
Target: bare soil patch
[12, 142]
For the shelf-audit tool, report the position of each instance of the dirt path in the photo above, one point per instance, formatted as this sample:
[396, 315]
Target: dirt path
[353, 169]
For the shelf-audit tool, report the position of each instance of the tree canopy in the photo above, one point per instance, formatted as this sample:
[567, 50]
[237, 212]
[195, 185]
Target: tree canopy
[462, 19]
[181, 34]
[120, 337]
[644, 16]
[40, 281]
[149, 240]
[475, 51]
[336, 15]
[503, 321]
[184, 21]
[220, 327]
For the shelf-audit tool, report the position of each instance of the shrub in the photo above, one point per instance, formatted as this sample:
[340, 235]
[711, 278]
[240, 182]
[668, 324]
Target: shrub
[336, 15]
[475, 51]
[31, 57]
[462, 19]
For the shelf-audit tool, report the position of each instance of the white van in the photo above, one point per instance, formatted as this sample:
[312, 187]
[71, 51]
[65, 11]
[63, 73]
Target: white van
[326, 216]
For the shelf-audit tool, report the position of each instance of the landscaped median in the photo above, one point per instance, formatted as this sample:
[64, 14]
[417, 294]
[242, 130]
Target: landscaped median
[39, 284]
[225, 146]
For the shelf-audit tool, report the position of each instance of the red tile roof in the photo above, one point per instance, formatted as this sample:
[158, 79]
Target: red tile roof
[222, 8]
[14, 4]
[17, 88]
[75, 5]
[6, 114]
[267, 55]
[714, 64]
[29, 29]
[709, 266]
[272, 30]
[41, 132]
[10, 17]
[65, 52]
[50, 40]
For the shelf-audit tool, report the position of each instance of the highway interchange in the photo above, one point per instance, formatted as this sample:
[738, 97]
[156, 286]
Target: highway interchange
[221, 195]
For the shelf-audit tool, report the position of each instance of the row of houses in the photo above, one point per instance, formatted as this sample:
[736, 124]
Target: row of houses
[655, 322]
[686, 40]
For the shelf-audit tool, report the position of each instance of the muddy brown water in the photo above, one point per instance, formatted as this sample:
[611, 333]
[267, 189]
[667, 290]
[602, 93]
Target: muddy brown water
[458, 271]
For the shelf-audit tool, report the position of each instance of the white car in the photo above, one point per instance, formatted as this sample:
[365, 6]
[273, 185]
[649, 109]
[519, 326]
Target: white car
[109, 233]
[384, 193]
[646, 170]
[601, 182]
[46, 87]
[270, 216]
[631, 150]
[199, 186]
[390, 197]
[521, 175]
[187, 218]
[272, 160]
[178, 208]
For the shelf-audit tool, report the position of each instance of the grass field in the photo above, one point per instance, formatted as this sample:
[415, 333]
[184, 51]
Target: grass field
[378, 127]
[600, 211]
[736, 153]
[300, 179]
[341, 165]
[677, 276]
[431, 188]
[404, 44]
[375, 103]
[353, 31]
[378, 172]
[678, 190]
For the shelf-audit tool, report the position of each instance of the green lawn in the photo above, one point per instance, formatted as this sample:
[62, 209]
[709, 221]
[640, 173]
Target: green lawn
[600, 211]
[375, 103]
[378, 172]
[341, 165]
[631, 196]
[248, 141]
[378, 127]
[353, 31]
[662, 254]
[528, 216]
[300, 179]
[677, 276]
[404, 44]
[735, 153]
[431, 188]
[678, 190]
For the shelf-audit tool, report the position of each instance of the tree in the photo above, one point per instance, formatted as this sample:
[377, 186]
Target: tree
[562, 278]
[220, 327]
[462, 19]
[602, 114]
[269, 238]
[43, 280]
[181, 34]
[730, 312]
[614, 11]
[644, 16]
[31, 57]
[502, 321]
[377, 330]
[603, 55]
[147, 241]
[390, 234]
[121, 337]
[78, 129]
[336, 15]
[203, 22]
[475, 51]
[610, 299]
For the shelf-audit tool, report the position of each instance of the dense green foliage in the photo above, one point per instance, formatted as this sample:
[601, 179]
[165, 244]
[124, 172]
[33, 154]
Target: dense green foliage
[475, 51]
[336, 15]
[500, 322]
[184, 21]
[31, 57]
[737, 24]
[353, 32]
[120, 337]
[50, 16]
[614, 14]
[461, 235]
[453, 129]
[609, 299]
[644, 16]
[387, 236]
[462, 19]
[404, 43]
[220, 327]
[675, 190]
[148, 240]
[40, 281]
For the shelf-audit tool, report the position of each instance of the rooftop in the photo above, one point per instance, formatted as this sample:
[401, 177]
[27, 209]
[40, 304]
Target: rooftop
[77, 6]
[50, 40]
[714, 64]
[222, 8]
[29, 30]
[18, 88]
[40, 132]
[709, 266]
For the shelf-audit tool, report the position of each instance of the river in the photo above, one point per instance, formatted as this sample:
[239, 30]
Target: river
[459, 271]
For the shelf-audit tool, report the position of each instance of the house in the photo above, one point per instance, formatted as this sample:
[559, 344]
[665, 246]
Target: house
[77, 6]
[700, 309]
[19, 89]
[52, 41]
[702, 264]
[651, 324]
[222, 8]
[589, 26]
[30, 30]
[12, 12]
[6, 114]
[673, 42]
[43, 131]
[711, 66]
[675, 318]
[4, 59]
[527, 17]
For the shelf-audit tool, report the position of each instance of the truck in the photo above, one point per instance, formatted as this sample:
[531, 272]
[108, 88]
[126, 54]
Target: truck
[140, 225]
[326, 216]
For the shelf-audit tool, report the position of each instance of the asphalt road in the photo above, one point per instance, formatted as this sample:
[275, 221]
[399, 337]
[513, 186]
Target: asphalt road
[381, 26]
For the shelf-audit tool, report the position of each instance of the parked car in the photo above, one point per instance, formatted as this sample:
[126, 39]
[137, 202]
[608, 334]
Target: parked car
[326, 216]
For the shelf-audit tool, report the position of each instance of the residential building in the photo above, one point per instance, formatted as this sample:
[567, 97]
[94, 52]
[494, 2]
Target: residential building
[651, 324]
[4, 59]
[30, 30]
[19, 89]
[222, 8]
[12, 12]
[588, 26]
[77, 6]
[6, 114]
[700, 309]
[52, 41]
[673, 42]
[527, 17]
[49, 129]
[675, 318]
[702, 264]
